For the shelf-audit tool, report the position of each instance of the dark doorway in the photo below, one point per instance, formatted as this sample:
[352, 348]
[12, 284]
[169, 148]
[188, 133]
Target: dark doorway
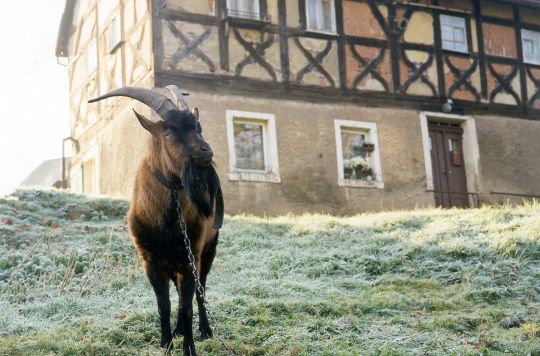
[449, 178]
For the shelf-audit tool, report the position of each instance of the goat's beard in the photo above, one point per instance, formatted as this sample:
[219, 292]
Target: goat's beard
[202, 185]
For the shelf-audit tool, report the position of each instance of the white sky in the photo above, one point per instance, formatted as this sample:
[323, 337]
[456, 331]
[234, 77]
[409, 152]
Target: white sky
[34, 99]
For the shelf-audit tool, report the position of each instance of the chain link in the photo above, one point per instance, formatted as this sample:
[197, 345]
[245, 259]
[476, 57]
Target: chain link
[191, 258]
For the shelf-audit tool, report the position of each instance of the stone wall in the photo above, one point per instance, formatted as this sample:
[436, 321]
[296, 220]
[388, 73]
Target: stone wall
[307, 157]
[509, 156]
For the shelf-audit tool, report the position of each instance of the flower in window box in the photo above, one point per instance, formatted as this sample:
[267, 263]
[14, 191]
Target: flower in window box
[363, 173]
[357, 168]
[348, 172]
[357, 161]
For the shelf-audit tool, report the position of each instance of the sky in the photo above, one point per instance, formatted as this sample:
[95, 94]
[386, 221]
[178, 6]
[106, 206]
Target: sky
[34, 99]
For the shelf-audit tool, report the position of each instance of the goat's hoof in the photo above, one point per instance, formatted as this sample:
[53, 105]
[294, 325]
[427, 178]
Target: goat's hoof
[189, 349]
[206, 333]
[167, 345]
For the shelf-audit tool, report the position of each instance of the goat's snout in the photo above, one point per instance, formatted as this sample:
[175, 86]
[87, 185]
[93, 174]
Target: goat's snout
[205, 148]
[203, 155]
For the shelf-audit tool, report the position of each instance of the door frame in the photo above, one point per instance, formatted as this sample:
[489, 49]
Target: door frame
[471, 152]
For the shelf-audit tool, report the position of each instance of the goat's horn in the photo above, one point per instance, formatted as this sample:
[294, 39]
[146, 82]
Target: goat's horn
[179, 95]
[162, 105]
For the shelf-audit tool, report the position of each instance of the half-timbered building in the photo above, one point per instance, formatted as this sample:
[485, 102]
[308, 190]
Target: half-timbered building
[335, 106]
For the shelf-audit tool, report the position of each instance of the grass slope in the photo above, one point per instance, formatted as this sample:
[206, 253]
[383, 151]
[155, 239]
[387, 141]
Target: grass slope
[432, 282]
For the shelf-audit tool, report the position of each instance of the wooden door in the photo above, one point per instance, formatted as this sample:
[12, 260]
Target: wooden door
[449, 178]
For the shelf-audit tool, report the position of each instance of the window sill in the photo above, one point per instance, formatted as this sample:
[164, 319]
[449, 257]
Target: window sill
[247, 21]
[531, 63]
[115, 47]
[359, 183]
[268, 177]
[307, 31]
[458, 53]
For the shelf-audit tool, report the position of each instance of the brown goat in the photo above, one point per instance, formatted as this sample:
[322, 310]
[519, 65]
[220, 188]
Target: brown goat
[179, 162]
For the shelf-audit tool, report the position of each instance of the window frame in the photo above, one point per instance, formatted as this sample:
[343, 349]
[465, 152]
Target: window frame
[115, 27]
[371, 131]
[466, 32]
[261, 11]
[305, 10]
[271, 162]
[91, 155]
[92, 56]
[534, 37]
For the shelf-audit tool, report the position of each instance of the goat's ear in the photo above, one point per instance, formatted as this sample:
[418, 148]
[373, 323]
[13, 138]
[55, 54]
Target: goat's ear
[147, 124]
[196, 112]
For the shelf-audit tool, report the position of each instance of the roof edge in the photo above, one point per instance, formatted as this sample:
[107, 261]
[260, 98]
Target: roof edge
[65, 30]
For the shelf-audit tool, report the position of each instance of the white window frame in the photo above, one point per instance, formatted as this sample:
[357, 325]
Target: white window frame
[534, 38]
[92, 56]
[320, 15]
[371, 132]
[268, 122]
[238, 11]
[454, 22]
[115, 32]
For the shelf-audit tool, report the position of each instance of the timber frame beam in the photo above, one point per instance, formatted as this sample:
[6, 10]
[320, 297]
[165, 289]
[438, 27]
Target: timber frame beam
[451, 81]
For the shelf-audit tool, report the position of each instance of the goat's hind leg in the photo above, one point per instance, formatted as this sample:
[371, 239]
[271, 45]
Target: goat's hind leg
[160, 284]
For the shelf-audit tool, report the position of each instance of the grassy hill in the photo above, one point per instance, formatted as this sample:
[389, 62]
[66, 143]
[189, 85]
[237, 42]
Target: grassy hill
[434, 282]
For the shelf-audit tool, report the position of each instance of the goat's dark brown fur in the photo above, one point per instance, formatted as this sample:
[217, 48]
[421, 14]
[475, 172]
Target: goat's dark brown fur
[177, 155]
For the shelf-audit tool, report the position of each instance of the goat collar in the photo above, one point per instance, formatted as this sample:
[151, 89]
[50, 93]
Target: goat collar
[175, 185]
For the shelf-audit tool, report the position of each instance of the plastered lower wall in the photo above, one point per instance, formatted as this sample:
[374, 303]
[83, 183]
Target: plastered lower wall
[509, 159]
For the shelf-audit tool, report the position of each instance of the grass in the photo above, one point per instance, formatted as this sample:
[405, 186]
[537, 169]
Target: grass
[433, 281]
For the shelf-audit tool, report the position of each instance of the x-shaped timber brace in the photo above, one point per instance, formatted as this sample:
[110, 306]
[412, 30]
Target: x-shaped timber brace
[418, 72]
[505, 83]
[255, 53]
[190, 46]
[536, 82]
[369, 67]
[462, 78]
[314, 62]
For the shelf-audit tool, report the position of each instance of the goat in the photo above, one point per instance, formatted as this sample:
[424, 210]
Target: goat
[179, 162]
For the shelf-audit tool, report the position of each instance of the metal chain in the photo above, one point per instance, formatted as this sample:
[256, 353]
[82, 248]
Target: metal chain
[191, 258]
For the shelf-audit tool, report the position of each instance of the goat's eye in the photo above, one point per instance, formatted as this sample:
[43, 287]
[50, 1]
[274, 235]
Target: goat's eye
[167, 132]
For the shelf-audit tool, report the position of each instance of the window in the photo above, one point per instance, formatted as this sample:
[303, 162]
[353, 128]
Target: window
[252, 146]
[531, 46]
[248, 9]
[320, 15]
[84, 177]
[358, 158]
[91, 56]
[454, 33]
[115, 35]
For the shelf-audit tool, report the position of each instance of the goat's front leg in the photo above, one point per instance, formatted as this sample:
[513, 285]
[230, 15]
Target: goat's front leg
[185, 314]
[160, 283]
[179, 329]
[204, 325]
[209, 253]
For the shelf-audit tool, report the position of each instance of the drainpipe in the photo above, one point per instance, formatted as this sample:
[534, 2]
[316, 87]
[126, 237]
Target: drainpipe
[76, 142]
